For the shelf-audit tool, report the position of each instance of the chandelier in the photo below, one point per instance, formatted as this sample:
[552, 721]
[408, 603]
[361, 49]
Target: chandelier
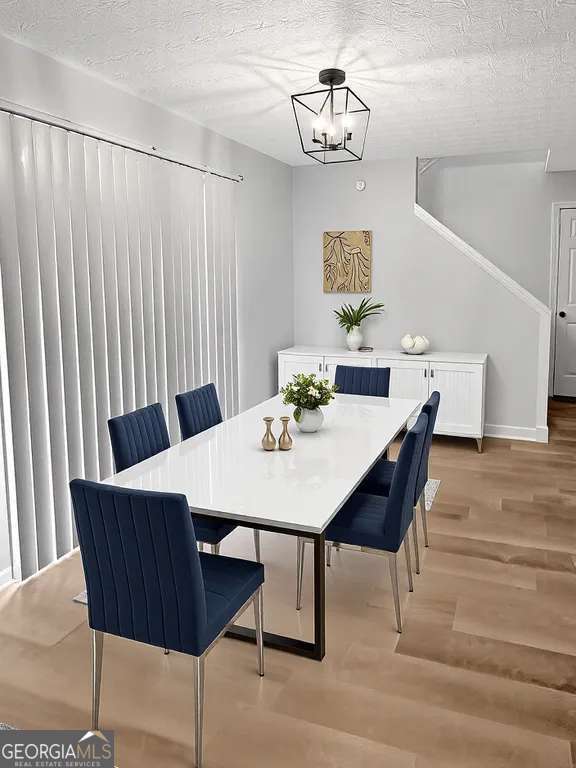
[332, 122]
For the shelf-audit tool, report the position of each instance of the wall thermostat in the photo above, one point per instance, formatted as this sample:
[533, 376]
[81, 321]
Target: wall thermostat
[360, 185]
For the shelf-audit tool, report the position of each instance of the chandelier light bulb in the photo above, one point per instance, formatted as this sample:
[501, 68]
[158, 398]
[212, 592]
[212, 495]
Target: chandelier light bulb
[319, 124]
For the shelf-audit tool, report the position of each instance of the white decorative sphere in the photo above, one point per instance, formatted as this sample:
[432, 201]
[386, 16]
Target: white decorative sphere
[414, 345]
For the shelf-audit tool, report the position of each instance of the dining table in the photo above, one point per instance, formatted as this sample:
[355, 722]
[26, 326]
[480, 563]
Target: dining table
[224, 472]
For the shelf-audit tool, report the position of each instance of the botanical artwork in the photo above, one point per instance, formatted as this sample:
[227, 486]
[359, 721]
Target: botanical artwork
[347, 262]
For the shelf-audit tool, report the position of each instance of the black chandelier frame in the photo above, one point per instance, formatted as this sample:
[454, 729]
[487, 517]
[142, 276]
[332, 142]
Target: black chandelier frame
[297, 98]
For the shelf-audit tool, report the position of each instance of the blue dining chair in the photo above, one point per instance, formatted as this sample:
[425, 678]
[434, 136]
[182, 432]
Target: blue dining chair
[350, 380]
[198, 410]
[138, 435]
[360, 380]
[143, 433]
[382, 523]
[146, 581]
[379, 479]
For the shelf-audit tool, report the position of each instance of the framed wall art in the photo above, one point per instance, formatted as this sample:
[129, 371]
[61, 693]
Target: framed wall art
[347, 261]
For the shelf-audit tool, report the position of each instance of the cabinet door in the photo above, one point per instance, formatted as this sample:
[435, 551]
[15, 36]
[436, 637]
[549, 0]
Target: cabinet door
[461, 398]
[408, 378]
[288, 365]
[330, 364]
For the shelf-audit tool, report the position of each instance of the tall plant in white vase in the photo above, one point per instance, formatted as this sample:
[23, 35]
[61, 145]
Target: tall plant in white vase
[350, 318]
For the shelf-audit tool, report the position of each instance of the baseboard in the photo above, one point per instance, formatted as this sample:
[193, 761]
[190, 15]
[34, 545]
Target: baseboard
[533, 434]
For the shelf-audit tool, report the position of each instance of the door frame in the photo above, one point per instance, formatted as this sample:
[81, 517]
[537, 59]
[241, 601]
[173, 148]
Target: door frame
[557, 208]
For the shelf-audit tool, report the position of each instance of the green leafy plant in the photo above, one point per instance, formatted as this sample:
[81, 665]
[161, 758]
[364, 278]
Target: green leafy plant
[306, 391]
[349, 317]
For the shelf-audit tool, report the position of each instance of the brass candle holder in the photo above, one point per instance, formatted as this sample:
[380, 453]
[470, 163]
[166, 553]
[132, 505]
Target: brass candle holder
[285, 441]
[268, 441]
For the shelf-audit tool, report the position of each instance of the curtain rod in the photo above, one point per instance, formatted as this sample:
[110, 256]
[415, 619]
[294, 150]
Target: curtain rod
[61, 122]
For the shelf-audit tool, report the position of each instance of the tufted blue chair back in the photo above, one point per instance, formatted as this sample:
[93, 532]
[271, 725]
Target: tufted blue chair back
[138, 435]
[430, 408]
[198, 410]
[141, 565]
[400, 507]
[358, 380]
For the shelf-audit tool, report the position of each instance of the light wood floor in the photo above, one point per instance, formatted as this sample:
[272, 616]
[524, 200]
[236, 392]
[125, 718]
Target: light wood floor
[484, 674]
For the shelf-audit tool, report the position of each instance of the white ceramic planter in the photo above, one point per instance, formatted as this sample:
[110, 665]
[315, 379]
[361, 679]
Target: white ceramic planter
[310, 420]
[354, 339]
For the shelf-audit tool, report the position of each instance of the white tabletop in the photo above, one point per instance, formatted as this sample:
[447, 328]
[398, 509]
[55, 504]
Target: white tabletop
[225, 473]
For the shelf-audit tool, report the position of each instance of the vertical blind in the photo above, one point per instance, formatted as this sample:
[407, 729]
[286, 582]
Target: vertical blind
[119, 284]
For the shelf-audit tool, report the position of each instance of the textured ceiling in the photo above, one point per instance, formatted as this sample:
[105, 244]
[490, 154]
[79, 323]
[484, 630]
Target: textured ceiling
[442, 77]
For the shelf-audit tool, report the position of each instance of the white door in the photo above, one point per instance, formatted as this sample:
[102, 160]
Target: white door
[408, 378]
[460, 387]
[330, 364]
[565, 364]
[289, 365]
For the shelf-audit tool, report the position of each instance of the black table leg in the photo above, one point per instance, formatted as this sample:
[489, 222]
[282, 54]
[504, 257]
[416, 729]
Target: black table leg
[319, 597]
[317, 649]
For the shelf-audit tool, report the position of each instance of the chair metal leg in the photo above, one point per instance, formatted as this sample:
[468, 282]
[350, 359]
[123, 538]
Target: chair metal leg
[299, 571]
[408, 562]
[199, 706]
[424, 522]
[215, 549]
[394, 579]
[257, 545]
[97, 646]
[415, 539]
[259, 623]
[328, 553]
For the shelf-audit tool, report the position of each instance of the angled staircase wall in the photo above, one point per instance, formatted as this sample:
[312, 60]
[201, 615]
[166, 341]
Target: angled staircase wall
[542, 312]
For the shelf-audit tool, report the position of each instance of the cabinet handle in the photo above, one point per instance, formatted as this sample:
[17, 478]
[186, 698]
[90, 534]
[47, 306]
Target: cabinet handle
[425, 373]
[320, 367]
[432, 373]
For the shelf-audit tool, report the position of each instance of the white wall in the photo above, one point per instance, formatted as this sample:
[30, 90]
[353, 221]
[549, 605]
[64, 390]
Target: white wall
[264, 198]
[501, 205]
[427, 285]
[265, 279]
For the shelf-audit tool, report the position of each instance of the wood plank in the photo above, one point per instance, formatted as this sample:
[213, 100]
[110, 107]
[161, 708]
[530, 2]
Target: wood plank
[484, 673]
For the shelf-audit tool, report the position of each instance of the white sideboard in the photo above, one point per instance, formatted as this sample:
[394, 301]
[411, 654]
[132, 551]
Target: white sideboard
[460, 377]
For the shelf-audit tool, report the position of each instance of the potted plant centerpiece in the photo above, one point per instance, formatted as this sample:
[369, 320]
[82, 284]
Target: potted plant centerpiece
[350, 318]
[308, 393]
